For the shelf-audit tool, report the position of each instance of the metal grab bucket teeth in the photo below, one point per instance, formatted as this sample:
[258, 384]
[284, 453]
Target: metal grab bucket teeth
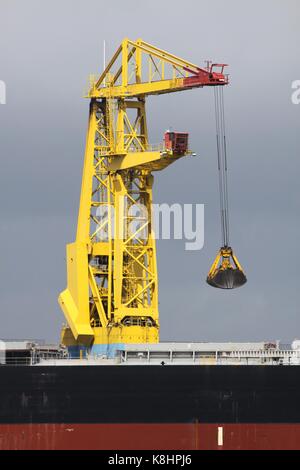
[226, 272]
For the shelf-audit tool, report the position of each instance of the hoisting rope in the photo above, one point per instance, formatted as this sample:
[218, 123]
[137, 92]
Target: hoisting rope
[222, 163]
[225, 272]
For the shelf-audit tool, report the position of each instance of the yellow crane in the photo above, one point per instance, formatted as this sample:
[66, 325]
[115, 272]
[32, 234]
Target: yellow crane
[112, 285]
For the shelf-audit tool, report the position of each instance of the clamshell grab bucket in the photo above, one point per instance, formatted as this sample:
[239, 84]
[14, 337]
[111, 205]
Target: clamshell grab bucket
[226, 272]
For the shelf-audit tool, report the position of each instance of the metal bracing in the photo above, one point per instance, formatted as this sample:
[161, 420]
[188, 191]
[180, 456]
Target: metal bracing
[138, 68]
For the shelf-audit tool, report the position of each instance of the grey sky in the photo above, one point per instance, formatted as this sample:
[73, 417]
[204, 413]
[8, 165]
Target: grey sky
[47, 50]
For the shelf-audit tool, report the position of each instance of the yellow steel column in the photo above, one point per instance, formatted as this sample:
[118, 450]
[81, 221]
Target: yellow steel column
[83, 226]
[74, 301]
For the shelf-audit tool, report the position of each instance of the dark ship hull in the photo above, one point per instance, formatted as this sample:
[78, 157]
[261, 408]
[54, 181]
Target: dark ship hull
[179, 407]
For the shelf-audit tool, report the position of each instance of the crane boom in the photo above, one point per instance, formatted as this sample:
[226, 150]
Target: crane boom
[112, 284]
[154, 72]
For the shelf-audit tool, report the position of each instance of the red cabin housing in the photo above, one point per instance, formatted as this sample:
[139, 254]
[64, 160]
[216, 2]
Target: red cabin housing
[176, 141]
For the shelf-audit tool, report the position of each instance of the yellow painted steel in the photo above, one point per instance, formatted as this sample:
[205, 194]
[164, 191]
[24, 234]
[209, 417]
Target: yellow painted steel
[153, 71]
[225, 259]
[112, 283]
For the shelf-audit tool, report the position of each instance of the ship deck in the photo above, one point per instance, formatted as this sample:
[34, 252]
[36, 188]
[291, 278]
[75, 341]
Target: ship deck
[201, 353]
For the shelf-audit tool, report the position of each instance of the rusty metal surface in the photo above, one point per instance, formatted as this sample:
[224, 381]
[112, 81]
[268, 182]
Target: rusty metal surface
[150, 436]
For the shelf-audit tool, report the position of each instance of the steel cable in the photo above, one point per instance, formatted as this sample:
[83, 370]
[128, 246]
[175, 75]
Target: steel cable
[222, 163]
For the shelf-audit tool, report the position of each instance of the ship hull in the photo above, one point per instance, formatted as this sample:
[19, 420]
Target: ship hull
[150, 407]
[149, 437]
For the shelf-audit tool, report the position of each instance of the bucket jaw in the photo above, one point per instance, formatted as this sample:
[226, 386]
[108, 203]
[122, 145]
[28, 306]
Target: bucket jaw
[226, 272]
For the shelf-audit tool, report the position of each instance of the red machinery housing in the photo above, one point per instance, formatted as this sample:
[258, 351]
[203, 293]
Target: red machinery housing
[176, 141]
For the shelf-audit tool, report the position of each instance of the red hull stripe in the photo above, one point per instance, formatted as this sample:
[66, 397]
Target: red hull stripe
[150, 436]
